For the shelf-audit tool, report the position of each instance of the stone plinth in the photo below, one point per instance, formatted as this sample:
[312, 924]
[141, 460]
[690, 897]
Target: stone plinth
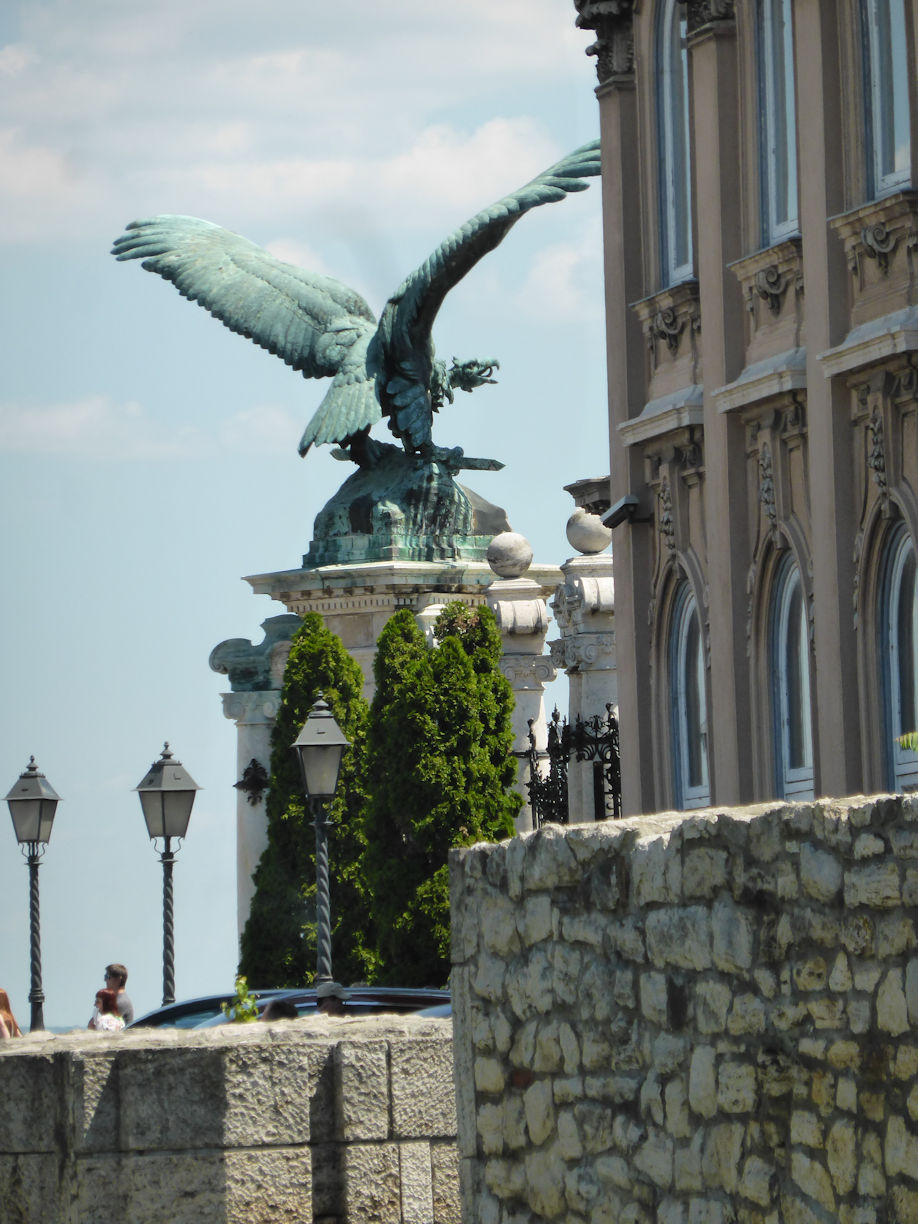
[355, 601]
[303, 1120]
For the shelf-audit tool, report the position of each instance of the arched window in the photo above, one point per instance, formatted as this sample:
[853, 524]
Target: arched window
[899, 621]
[675, 172]
[778, 120]
[790, 669]
[689, 704]
[888, 129]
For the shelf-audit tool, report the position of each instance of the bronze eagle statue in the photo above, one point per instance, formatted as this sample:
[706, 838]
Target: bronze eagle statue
[325, 330]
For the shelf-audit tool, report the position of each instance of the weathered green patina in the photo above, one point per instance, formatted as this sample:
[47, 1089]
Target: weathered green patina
[385, 368]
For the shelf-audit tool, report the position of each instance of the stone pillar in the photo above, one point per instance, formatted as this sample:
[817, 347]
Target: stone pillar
[522, 617]
[584, 607]
[256, 674]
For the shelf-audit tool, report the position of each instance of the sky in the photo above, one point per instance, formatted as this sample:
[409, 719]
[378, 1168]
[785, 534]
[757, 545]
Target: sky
[148, 456]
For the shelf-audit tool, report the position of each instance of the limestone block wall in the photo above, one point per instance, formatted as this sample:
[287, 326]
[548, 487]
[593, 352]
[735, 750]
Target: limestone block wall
[692, 1019]
[333, 1121]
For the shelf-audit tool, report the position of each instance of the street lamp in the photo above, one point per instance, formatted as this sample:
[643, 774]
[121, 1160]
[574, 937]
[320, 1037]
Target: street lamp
[166, 797]
[33, 802]
[319, 748]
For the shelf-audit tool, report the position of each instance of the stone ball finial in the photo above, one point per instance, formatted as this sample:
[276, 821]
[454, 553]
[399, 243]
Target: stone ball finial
[509, 554]
[587, 533]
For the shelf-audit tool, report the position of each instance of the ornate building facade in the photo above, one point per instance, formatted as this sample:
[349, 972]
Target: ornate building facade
[760, 223]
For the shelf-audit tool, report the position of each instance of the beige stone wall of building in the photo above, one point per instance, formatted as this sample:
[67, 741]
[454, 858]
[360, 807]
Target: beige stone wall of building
[319, 1122]
[692, 1019]
[763, 397]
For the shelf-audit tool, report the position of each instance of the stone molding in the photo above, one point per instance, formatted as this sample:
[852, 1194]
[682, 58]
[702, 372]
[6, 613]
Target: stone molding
[767, 275]
[876, 230]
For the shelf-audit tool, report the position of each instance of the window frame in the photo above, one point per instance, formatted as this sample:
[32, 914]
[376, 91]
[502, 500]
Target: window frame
[777, 121]
[793, 781]
[685, 635]
[901, 563]
[674, 160]
[886, 75]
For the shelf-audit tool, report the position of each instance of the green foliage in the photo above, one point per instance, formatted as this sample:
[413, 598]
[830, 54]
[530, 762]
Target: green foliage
[440, 773]
[244, 1008]
[278, 946]
[909, 741]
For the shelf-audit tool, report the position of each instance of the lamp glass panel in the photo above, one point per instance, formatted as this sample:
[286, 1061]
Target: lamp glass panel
[320, 765]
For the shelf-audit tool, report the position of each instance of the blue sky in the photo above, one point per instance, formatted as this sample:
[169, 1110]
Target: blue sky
[148, 456]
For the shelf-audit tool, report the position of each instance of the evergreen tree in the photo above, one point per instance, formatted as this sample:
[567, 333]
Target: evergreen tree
[278, 946]
[440, 773]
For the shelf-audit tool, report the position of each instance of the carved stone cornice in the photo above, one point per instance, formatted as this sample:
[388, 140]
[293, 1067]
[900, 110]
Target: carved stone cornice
[518, 607]
[703, 14]
[613, 23]
[528, 672]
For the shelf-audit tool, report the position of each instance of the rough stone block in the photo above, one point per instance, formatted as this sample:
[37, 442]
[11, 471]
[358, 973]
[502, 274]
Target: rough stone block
[416, 1182]
[875, 885]
[35, 1092]
[31, 1189]
[152, 1080]
[362, 1097]
[371, 1188]
[444, 1165]
[422, 1088]
[820, 872]
[680, 937]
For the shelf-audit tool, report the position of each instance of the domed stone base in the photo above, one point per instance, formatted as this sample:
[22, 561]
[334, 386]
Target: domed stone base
[403, 509]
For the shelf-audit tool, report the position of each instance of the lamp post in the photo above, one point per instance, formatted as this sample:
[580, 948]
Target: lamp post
[33, 802]
[166, 797]
[319, 748]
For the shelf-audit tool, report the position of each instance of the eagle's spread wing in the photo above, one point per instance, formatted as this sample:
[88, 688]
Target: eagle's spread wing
[401, 352]
[313, 323]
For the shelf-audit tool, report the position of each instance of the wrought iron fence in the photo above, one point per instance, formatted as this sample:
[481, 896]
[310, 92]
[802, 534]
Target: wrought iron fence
[593, 739]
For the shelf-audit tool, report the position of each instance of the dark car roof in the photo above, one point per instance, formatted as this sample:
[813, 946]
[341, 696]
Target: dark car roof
[190, 1013]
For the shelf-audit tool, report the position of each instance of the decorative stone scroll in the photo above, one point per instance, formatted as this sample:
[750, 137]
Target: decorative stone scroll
[613, 23]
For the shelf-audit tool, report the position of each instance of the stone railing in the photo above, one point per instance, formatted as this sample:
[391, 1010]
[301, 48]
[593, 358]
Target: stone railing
[328, 1120]
[691, 1019]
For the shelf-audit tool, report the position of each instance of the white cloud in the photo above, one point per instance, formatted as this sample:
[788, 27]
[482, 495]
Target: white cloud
[96, 428]
[92, 427]
[263, 430]
[564, 281]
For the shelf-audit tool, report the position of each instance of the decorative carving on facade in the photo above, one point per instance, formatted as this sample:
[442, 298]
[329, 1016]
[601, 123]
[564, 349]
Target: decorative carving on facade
[879, 243]
[768, 276]
[876, 455]
[669, 318]
[767, 486]
[876, 233]
[667, 326]
[613, 23]
[665, 517]
[769, 284]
